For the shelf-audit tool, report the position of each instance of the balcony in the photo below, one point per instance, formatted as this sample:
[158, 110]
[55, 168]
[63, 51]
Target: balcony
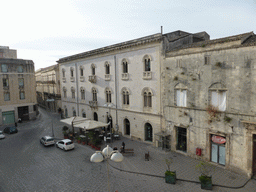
[63, 79]
[72, 79]
[93, 104]
[92, 78]
[147, 75]
[125, 76]
[82, 79]
[107, 77]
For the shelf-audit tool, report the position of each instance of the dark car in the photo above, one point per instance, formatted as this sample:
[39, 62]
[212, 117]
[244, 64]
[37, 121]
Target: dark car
[11, 130]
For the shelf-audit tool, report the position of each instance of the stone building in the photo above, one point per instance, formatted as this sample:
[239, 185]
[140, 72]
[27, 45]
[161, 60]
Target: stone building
[209, 101]
[17, 85]
[48, 87]
[121, 83]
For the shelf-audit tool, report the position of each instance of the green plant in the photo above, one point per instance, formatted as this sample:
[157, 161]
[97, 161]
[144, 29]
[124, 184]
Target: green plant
[175, 78]
[78, 138]
[204, 168]
[213, 113]
[169, 173]
[203, 45]
[227, 119]
[204, 179]
[64, 128]
[168, 163]
[182, 73]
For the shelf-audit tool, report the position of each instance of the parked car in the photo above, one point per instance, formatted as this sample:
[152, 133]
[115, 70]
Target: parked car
[47, 140]
[11, 130]
[2, 136]
[65, 144]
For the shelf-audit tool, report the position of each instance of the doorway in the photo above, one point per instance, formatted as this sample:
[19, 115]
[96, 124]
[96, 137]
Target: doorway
[254, 156]
[127, 127]
[148, 132]
[181, 139]
[95, 116]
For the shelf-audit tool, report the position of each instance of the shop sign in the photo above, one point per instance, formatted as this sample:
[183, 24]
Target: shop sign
[218, 139]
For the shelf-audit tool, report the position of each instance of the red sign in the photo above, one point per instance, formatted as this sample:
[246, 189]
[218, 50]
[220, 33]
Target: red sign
[218, 139]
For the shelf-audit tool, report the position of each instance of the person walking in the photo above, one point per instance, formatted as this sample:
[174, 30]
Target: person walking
[123, 146]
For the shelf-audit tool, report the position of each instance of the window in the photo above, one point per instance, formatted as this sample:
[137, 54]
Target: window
[108, 95]
[147, 94]
[83, 114]
[82, 90]
[64, 92]
[20, 69]
[63, 72]
[181, 97]
[93, 69]
[126, 94]
[74, 112]
[206, 60]
[125, 66]
[147, 64]
[73, 93]
[21, 83]
[7, 96]
[81, 71]
[218, 99]
[179, 63]
[22, 95]
[94, 94]
[71, 72]
[4, 68]
[5, 83]
[107, 68]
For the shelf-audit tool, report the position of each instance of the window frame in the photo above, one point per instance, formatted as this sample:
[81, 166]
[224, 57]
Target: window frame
[7, 93]
[22, 98]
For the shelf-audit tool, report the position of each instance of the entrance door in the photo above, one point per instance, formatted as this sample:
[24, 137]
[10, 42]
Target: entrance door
[148, 132]
[214, 153]
[254, 155]
[218, 154]
[95, 116]
[8, 117]
[182, 139]
[127, 127]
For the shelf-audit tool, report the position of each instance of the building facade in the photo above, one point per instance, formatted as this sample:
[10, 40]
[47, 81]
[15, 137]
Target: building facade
[18, 95]
[209, 101]
[121, 84]
[48, 88]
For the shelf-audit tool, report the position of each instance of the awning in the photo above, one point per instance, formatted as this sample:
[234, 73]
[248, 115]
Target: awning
[76, 121]
[91, 124]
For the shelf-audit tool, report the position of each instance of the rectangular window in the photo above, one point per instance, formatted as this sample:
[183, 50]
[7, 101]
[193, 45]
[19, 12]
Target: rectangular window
[20, 69]
[4, 68]
[21, 82]
[181, 98]
[218, 99]
[179, 63]
[81, 72]
[82, 95]
[7, 96]
[73, 95]
[5, 82]
[65, 94]
[206, 60]
[22, 95]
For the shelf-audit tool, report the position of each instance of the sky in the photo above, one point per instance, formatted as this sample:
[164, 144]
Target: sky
[45, 31]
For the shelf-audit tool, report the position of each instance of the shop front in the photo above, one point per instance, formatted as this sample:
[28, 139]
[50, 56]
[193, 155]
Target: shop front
[218, 149]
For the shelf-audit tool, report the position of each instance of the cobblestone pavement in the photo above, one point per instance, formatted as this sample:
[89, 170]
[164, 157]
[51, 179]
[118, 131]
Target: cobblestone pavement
[25, 165]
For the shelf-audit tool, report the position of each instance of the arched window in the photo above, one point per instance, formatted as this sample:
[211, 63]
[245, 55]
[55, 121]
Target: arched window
[71, 72]
[73, 93]
[108, 95]
[64, 92]
[147, 97]
[126, 93]
[125, 65]
[95, 116]
[107, 68]
[147, 63]
[63, 72]
[83, 114]
[74, 112]
[81, 71]
[148, 132]
[82, 90]
[93, 69]
[66, 111]
[94, 94]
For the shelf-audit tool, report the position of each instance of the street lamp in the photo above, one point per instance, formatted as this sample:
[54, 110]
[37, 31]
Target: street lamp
[107, 153]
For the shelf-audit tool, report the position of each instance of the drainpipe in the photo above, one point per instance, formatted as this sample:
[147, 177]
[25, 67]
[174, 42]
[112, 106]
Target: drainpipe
[116, 94]
[77, 104]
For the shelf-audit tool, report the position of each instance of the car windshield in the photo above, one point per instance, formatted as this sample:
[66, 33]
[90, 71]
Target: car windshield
[12, 129]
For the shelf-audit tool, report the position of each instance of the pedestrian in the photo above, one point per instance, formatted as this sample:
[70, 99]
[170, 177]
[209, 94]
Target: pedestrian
[123, 146]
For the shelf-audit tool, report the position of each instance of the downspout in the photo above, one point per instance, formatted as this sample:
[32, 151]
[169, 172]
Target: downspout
[116, 94]
[77, 104]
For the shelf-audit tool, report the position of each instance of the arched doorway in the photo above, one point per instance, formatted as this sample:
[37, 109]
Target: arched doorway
[95, 116]
[148, 132]
[127, 127]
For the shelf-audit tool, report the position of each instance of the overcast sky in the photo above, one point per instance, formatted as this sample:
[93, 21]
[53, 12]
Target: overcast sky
[44, 31]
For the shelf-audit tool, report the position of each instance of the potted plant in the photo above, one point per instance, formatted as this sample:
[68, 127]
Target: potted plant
[170, 176]
[206, 180]
[65, 132]
[83, 141]
[78, 139]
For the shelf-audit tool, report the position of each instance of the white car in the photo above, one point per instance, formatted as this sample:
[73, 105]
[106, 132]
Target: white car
[47, 140]
[65, 144]
[2, 136]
